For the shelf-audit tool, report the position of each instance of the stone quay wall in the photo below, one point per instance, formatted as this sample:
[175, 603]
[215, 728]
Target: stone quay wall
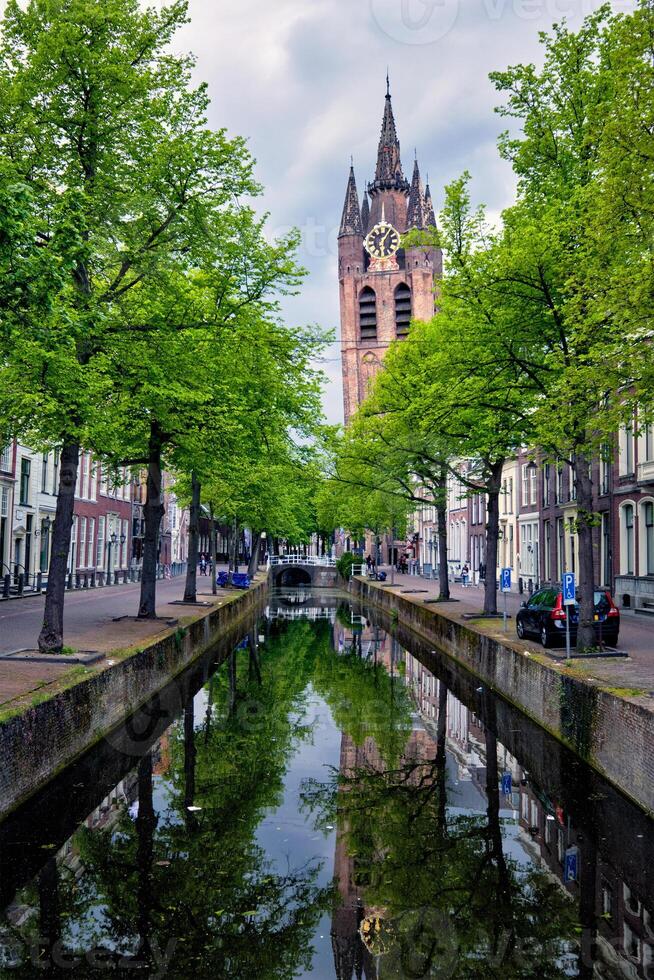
[612, 733]
[41, 741]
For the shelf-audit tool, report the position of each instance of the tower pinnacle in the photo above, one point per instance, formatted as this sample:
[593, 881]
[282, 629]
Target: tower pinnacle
[415, 217]
[351, 218]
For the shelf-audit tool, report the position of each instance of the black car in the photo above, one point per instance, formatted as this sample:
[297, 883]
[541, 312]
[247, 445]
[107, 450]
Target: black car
[544, 616]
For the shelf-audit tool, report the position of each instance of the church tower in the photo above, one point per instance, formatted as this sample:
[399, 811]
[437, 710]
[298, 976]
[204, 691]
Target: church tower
[382, 286]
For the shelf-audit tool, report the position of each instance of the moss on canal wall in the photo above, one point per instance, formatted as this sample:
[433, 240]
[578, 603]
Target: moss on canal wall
[47, 736]
[611, 733]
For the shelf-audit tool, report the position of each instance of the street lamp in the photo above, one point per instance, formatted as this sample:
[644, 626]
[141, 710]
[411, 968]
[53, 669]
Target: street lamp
[113, 537]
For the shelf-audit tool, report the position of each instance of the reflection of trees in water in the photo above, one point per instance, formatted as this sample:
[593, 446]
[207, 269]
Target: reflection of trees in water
[440, 896]
[198, 880]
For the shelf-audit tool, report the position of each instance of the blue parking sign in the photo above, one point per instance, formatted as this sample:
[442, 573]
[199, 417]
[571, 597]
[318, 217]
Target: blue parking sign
[506, 580]
[569, 590]
[507, 784]
[571, 867]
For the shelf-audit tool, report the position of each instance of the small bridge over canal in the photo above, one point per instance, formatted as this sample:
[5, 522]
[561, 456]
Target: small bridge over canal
[292, 571]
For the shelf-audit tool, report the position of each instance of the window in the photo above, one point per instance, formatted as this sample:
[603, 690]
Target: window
[559, 484]
[572, 483]
[55, 472]
[82, 542]
[547, 484]
[91, 542]
[648, 514]
[84, 484]
[5, 459]
[25, 467]
[627, 450]
[123, 544]
[605, 470]
[73, 554]
[4, 504]
[510, 495]
[93, 481]
[44, 473]
[648, 435]
[402, 310]
[560, 548]
[571, 531]
[628, 528]
[368, 314]
[99, 551]
[533, 483]
[606, 549]
[525, 486]
[547, 544]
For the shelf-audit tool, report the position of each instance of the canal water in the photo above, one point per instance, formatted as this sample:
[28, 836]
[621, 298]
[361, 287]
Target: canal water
[327, 798]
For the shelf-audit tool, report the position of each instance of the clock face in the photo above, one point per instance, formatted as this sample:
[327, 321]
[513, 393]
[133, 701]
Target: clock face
[382, 241]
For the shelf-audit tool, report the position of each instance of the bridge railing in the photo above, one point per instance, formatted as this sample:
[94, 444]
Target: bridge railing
[319, 560]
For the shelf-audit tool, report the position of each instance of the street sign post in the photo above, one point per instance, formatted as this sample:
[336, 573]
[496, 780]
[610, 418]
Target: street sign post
[569, 591]
[505, 583]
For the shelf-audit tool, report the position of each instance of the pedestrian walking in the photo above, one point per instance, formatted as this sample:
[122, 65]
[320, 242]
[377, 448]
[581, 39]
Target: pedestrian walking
[465, 576]
[203, 564]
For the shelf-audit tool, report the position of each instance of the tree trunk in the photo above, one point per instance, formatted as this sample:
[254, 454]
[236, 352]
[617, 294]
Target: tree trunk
[189, 766]
[441, 513]
[51, 638]
[584, 525]
[254, 557]
[441, 759]
[146, 822]
[191, 589]
[153, 512]
[214, 552]
[234, 546]
[492, 534]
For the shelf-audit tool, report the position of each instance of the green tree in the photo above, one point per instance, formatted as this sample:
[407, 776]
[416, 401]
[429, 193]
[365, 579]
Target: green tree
[103, 133]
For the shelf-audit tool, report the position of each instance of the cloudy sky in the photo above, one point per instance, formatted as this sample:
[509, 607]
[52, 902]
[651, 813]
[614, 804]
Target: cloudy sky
[304, 81]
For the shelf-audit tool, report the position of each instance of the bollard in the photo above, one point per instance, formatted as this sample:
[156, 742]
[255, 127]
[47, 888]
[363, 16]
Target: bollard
[93, 579]
[39, 582]
[100, 579]
[6, 586]
[78, 580]
[21, 583]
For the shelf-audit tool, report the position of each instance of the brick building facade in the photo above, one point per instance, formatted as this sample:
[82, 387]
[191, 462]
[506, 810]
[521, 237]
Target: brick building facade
[381, 293]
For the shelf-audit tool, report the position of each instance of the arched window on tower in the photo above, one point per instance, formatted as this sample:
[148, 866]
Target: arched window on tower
[402, 309]
[368, 314]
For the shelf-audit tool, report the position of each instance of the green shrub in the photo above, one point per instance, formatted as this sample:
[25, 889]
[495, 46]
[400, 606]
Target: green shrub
[345, 562]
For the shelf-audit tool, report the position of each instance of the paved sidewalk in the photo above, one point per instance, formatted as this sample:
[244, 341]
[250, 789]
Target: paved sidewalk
[636, 672]
[89, 624]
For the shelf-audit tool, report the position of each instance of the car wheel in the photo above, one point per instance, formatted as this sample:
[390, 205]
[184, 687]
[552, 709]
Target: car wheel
[545, 638]
[520, 630]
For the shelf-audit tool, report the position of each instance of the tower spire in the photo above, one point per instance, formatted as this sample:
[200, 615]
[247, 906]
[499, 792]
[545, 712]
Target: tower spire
[351, 218]
[430, 217]
[415, 216]
[388, 173]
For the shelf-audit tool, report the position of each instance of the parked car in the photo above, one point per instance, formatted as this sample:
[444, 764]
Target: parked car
[544, 616]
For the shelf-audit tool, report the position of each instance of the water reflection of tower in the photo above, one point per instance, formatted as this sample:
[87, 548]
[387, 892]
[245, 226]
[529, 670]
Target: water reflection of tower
[351, 957]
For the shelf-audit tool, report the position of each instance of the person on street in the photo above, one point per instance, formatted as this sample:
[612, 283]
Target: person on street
[465, 576]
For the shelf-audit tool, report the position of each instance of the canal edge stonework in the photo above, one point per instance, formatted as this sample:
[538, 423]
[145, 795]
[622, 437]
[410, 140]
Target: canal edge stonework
[45, 738]
[611, 733]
